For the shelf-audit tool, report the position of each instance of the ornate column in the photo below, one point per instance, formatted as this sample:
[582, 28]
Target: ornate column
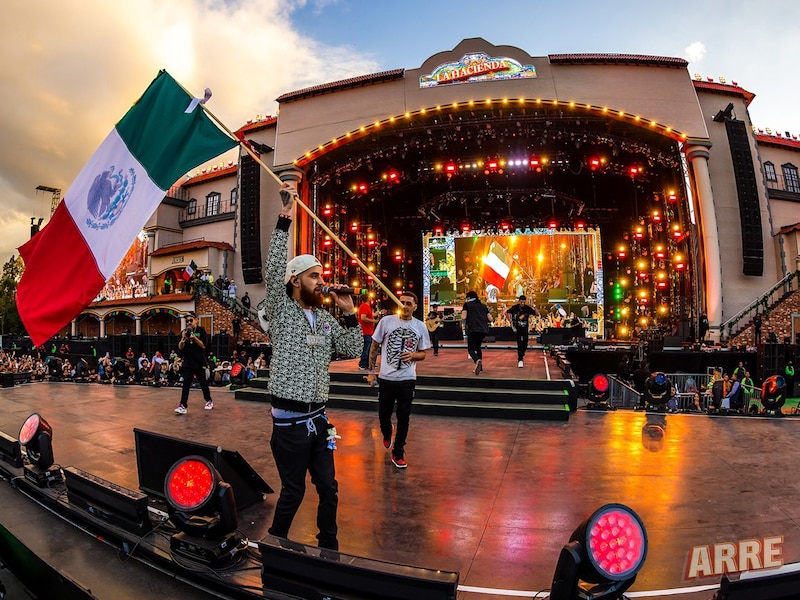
[102, 326]
[138, 323]
[697, 152]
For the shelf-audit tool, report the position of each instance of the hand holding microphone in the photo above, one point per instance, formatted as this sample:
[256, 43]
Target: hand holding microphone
[343, 291]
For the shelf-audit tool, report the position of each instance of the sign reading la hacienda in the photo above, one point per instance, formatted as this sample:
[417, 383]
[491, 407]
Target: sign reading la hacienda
[477, 66]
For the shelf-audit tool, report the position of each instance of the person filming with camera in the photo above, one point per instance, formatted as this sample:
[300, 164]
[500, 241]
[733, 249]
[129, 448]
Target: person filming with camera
[192, 349]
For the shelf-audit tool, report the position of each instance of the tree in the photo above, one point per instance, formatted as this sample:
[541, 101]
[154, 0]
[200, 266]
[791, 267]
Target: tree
[9, 316]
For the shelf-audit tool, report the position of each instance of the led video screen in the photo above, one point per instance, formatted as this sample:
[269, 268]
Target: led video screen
[560, 272]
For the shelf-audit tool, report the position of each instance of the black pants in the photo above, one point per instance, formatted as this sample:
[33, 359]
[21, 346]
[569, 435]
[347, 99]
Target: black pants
[401, 393]
[298, 447]
[522, 342]
[434, 335]
[474, 341]
[188, 376]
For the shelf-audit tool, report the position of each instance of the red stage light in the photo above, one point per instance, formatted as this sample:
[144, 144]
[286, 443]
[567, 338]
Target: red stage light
[617, 543]
[580, 225]
[633, 171]
[327, 210]
[662, 285]
[600, 383]
[535, 163]
[392, 176]
[354, 226]
[465, 227]
[672, 197]
[505, 226]
[677, 232]
[492, 165]
[552, 223]
[450, 168]
[594, 163]
[362, 188]
[190, 483]
[438, 230]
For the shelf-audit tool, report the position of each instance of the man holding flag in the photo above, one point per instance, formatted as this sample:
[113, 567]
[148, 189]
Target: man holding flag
[162, 137]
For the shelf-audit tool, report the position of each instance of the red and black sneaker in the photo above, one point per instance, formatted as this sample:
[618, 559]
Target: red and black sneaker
[400, 463]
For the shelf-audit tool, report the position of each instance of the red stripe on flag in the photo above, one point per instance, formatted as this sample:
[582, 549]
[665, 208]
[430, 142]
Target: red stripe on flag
[60, 278]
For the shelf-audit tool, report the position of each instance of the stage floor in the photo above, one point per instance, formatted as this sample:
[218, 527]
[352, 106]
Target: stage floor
[495, 500]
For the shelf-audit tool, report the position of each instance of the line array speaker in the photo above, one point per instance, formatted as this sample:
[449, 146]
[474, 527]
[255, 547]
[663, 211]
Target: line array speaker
[747, 191]
[250, 219]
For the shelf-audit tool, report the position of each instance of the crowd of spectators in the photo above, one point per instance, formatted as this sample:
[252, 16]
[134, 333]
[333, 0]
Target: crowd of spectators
[157, 370]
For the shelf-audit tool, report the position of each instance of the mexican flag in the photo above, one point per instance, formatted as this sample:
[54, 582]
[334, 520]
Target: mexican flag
[162, 137]
[496, 265]
[189, 271]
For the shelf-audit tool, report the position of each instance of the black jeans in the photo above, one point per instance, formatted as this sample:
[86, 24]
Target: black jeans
[434, 335]
[474, 341]
[389, 393]
[522, 342]
[188, 376]
[298, 447]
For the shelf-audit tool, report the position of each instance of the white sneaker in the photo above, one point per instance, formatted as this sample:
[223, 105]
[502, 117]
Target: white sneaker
[181, 410]
[519, 364]
[209, 405]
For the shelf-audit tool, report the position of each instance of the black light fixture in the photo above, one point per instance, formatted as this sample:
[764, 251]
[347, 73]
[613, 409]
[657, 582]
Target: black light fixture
[598, 392]
[603, 556]
[36, 436]
[202, 506]
[773, 395]
[657, 391]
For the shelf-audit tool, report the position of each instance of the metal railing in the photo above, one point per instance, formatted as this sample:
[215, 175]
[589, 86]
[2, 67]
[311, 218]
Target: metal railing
[203, 210]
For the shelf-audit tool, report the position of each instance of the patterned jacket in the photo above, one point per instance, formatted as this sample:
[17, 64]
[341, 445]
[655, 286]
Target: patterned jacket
[299, 371]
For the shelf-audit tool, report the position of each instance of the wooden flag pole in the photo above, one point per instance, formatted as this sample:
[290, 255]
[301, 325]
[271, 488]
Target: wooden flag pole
[308, 211]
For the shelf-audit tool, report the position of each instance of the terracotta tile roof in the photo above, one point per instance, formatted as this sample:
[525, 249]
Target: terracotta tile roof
[724, 88]
[210, 176]
[256, 125]
[343, 84]
[618, 59]
[789, 228]
[777, 140]
[192, 245]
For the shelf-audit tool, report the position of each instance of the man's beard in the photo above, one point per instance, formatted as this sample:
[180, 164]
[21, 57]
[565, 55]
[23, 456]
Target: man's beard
[310, 297]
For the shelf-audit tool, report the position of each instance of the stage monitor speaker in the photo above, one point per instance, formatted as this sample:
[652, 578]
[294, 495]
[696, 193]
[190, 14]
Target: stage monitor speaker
[156, 453]
[673, 342]
[310, 572]
[782, 585]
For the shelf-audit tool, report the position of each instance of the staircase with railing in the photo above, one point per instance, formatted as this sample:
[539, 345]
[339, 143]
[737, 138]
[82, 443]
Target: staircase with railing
[776, 306]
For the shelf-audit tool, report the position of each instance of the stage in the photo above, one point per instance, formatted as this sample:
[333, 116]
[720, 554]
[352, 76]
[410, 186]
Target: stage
[494, 499]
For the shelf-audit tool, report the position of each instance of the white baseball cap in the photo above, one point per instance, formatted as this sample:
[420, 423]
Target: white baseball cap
[299, 264]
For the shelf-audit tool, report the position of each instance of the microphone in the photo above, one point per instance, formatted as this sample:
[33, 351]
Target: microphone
[345, 291]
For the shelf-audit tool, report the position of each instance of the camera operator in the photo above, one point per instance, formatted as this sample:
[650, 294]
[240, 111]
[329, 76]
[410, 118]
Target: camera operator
[192, 349]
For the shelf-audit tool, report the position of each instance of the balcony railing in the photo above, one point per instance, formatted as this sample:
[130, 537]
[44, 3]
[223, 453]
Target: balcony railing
[201, 211]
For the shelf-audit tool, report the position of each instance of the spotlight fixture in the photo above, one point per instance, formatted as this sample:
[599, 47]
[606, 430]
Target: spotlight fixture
[657, 391]
[201, 505]
[603, 556]
[773, 395]
[36, 436]
[598, 392]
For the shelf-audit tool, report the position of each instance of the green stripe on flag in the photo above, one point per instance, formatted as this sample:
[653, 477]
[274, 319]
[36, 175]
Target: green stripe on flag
[167, 141]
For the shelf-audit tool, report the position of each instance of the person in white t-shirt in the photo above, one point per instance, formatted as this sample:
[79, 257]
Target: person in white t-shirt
[402, 341]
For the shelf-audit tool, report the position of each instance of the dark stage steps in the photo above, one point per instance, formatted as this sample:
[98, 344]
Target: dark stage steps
[481, 397]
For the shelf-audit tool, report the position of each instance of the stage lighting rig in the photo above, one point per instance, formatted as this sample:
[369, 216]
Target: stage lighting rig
[36, 436]
[598, 392]
[603, 556]
[657, 391]
[201, 505]
[773, 395]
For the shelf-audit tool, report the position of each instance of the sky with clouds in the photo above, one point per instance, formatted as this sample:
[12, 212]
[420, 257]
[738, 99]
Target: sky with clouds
[72, 68]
